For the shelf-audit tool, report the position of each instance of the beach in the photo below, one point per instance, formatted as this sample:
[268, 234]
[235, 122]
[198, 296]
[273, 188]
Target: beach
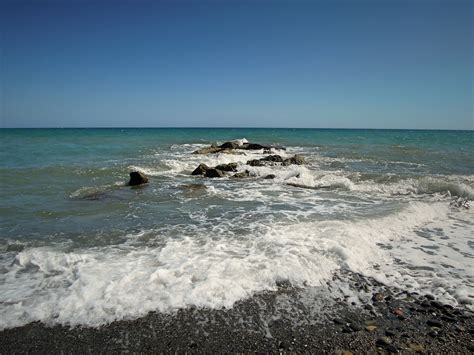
[268, 240]
[389, 323]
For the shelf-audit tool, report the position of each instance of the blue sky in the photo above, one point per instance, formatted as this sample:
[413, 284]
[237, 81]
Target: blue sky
[339, 64]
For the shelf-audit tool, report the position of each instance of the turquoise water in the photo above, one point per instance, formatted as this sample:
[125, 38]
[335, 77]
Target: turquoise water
[72, 233]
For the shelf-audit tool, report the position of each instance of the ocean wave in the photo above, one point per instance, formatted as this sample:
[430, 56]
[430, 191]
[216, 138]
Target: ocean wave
[99, 285]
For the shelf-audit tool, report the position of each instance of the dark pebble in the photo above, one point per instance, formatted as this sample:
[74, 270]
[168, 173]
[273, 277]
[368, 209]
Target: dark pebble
[391, 348]
[401, 317]
[425, 304]
[433, 333]
[339, 321]
[355, 327]
[193, 345]
[429, 297]
[347, 330]
[436, 304]
[283, 345]
[433, 323]
[368, 307]
[390, 332]
[383, 341]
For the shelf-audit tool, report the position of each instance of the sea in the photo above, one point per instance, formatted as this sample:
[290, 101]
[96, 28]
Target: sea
[79, 247]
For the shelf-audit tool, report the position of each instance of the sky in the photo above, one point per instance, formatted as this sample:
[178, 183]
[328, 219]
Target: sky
[318, 64]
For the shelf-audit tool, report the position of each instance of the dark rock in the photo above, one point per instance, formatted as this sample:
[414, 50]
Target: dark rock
[214, 173]
[434, 323]
[253, 146]
[200, 170]
[229, 145]
[296, 160]
[283, 345]
[208, 150]
[242, 174]
[425, 304]
[429, 297]
[390, 332]
[436, 304]
[227, 167]
[433, 333]
[339, 321]
[137, 178]
[391, 348]
[193, 345]
[269, 176]
[274, 158]
[368, 307]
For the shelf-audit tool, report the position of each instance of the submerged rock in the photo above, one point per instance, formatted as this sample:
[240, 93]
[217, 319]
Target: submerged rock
[269, 176]
[242, 174]
[200, 170]
[137, 178]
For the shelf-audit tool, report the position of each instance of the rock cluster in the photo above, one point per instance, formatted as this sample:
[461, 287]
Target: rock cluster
[231, 147]
[270, 160]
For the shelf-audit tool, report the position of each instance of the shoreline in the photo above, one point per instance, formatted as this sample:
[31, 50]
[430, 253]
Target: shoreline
[271, 321]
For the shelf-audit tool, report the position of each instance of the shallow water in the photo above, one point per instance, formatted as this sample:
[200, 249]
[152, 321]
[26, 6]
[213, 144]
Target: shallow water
[79, 247]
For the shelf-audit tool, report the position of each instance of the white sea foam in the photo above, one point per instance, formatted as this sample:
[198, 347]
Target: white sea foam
[216, 268]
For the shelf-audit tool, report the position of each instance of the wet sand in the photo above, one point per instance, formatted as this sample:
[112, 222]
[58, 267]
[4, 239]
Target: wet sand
[278, 321]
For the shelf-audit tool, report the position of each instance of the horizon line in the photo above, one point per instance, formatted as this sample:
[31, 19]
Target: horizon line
[194, 127]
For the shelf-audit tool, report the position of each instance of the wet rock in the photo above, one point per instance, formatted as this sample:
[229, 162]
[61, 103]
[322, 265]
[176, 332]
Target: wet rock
[254, 146]
[200, 170]
[339, 321]
[429, 297]
[295, 160]
[227, 167]
[269, 176]
[398, 312]
[368, 307]
[208, 150]
[242, 174]
[434, 323]
[214, 173]
[137, 178]
[273, 158]
[390, 332]
[229, 145]
[436, 304]
[433, 333]
[425, 304]
[370, 328]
